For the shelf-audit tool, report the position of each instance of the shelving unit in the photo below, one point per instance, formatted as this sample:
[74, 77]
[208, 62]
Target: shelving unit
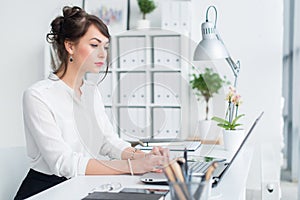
[146, 90]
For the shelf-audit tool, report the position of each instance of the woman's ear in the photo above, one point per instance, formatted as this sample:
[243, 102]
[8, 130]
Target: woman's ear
[69, 46]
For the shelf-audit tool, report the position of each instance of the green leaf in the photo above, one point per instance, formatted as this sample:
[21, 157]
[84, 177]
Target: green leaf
[237, 118]
[220, 120]
[207, 83]
[235, 125]
[208, 159]
[146, 6]
[225, 126]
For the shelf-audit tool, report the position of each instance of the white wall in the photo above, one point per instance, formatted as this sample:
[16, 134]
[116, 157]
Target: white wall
[253, 33]
[24, 25]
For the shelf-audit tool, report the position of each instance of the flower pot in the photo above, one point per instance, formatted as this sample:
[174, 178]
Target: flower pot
[233, 138]
[143, 24]
[203, 127]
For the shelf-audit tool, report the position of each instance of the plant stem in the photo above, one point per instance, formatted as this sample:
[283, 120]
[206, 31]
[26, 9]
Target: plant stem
[231, 112]
[207, 109]
[227, 111]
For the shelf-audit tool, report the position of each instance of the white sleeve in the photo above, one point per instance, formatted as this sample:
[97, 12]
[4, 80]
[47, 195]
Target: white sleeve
[112, 145]
[40, 125]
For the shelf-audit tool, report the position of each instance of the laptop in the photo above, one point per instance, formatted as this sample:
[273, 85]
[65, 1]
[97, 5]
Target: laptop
[199, 167]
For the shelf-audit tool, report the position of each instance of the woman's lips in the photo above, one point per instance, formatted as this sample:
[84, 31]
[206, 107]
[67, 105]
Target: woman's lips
[99, 64]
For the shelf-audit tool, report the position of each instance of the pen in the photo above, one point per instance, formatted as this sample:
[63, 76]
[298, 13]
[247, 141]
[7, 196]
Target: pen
[185, 164]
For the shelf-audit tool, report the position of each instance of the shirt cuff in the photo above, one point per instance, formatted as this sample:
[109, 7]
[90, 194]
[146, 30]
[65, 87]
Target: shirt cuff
[121, 147]
[82, 164]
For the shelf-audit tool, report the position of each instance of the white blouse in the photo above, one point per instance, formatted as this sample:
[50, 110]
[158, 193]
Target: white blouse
[63, 131]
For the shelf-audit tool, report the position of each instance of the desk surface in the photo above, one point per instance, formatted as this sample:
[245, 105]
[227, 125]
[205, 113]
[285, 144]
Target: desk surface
[231, 187]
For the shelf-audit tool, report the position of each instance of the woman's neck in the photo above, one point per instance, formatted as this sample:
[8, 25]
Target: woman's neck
[73, 79]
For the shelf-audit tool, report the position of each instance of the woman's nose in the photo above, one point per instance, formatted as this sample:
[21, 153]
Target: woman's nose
[102, 53]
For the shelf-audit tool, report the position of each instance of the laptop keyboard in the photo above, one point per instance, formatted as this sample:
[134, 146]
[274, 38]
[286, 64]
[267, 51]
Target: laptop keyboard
[199, 167]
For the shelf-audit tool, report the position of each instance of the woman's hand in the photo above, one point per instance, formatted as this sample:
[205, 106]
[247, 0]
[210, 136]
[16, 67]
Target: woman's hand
[159, 151]
[151, 162]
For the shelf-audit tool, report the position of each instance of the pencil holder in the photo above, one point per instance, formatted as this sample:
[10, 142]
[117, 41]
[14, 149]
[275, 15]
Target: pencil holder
[190, 190]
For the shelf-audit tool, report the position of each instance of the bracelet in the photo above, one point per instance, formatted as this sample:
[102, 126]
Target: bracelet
[130, 167]
[132, 154]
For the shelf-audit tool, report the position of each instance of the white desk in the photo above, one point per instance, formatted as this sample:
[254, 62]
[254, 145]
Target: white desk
[232, 186]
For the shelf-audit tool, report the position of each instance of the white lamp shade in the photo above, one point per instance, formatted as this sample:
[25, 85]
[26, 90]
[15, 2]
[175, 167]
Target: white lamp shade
[210, 47]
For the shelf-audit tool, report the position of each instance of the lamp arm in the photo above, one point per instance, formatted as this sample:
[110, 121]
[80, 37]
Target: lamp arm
[235, 67]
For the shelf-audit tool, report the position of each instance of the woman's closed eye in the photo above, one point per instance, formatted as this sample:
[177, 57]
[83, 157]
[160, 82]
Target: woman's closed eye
[94, 45]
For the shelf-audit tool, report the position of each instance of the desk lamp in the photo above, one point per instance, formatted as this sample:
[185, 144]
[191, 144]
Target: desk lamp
[211, 47]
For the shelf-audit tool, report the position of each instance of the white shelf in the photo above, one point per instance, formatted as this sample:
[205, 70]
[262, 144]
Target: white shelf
[148, 84]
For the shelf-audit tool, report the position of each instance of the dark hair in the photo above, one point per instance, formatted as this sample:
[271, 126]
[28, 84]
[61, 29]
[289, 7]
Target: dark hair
[71, 26]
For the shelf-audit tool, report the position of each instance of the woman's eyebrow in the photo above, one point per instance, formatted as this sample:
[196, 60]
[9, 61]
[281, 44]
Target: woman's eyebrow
[100, 41]
[96, 39]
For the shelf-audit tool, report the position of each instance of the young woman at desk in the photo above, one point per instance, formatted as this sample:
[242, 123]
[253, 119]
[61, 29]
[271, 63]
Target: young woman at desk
[65, 122]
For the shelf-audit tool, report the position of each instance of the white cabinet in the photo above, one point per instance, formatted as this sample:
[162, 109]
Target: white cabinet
[146, 91]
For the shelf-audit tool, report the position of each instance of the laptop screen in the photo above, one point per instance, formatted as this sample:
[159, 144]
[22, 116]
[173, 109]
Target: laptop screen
[217, 179]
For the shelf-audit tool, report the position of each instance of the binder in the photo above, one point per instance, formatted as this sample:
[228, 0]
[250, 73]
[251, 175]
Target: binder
[132, 123]
[167, 88]
[132, 88]
[185, 18]
[175, 23]
[166, 52]
[166, 122]
[132, 52]
[166, 15]
[105, 86]
[176, 16]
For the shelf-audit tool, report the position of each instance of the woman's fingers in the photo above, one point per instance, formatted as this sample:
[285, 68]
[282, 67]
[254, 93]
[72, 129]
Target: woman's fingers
[160, 151]
[153, 163]
[156, 159]
[155, 151]
[164, 152]
[156, 170]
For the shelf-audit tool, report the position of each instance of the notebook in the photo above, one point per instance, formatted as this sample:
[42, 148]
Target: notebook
[171, 144]
[121, 196]
[223, 166]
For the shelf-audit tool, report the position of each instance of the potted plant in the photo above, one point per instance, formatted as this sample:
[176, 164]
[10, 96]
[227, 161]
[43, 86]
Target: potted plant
[146, 7]
[206, 85]
[232, 133]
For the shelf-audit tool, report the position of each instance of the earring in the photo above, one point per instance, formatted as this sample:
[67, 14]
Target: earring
[71, 58]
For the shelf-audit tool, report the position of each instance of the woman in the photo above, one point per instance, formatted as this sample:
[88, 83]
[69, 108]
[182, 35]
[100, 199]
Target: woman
[65, 122]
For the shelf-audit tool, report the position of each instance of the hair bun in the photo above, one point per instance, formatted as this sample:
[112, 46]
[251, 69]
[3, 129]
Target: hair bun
[56, 27]
[69, 12]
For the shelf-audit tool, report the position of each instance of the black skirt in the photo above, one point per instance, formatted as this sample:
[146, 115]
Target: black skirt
[36, 182]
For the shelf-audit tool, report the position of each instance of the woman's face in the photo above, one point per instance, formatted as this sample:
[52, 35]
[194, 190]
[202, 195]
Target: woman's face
[90, 52]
